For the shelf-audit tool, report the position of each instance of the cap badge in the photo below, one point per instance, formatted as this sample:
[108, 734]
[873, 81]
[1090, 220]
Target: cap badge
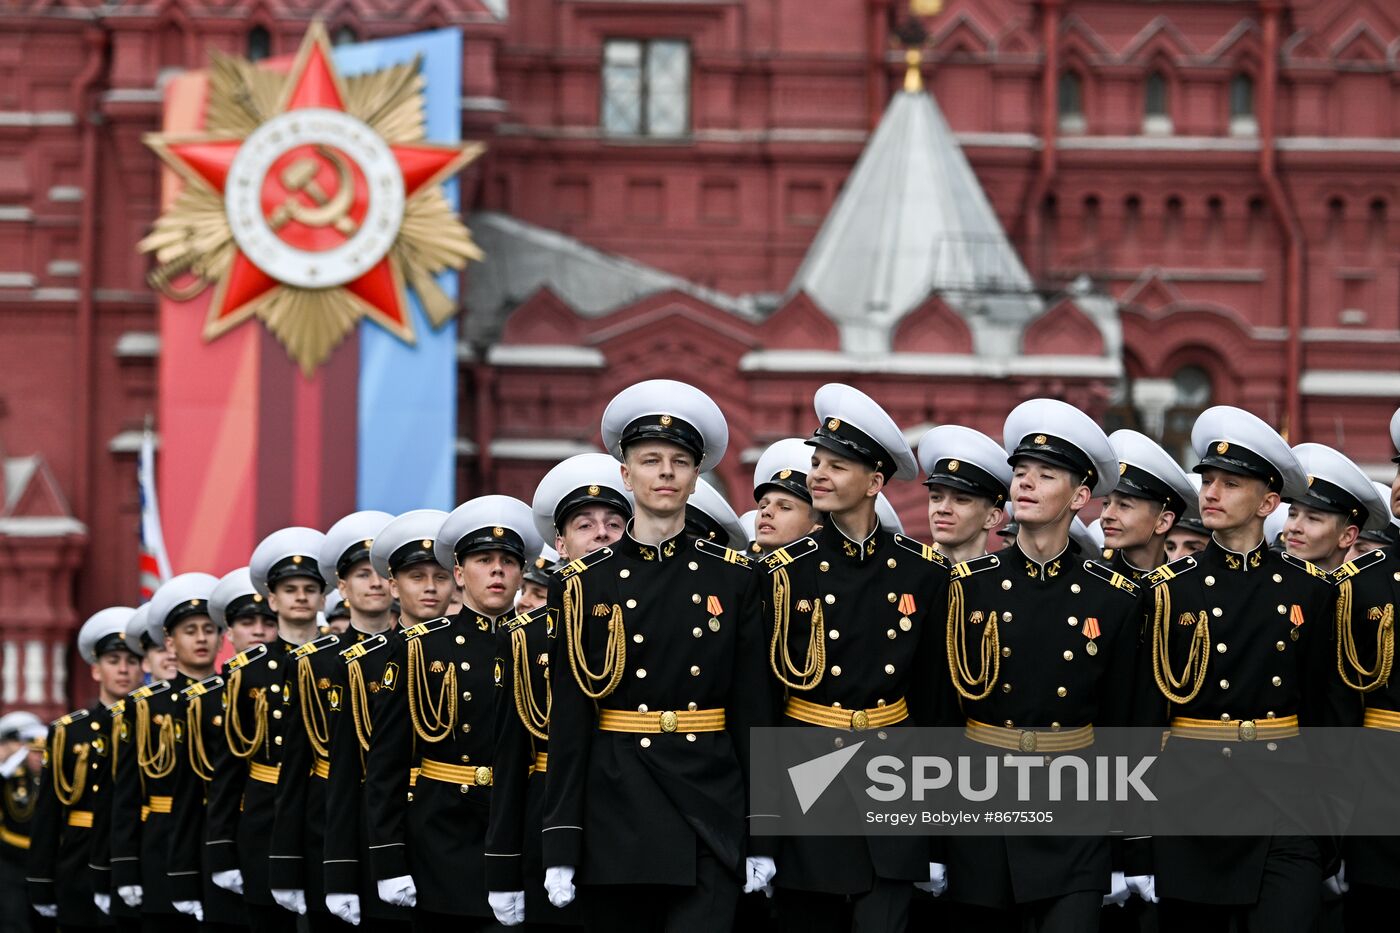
[427, 542]
[498, 532]
[296, 558]
[953, 466]
[194, 602]
[257, 597]
[369, 543]
[665, 421]
[1040, 439]
[784, 474]
[1122, 468]
[833, 424]
[1222, 447]
[539, 563]
[1310, 480]
[593, 490]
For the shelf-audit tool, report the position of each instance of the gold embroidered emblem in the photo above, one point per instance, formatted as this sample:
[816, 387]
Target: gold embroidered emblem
[665, 421]
[1186, 618]
[1222, 447]
[323, 683]
[1053, 570]
[1233, 562]
[833, 424]
[437, 667]
[646, 553]
[542, 659]
[850, 549]
[977, 617]
[374, 686]
[669, 550]
[1256, 559]
[483, 624]
[804, 605]
[1374, 613]
[593, 490]
[602, 610]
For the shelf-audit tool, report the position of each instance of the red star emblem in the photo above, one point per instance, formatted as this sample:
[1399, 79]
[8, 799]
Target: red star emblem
[312, 200]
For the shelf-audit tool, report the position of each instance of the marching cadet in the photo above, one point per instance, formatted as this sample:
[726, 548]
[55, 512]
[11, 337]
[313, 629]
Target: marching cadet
[1057, 634]
[1340, 502]
[1368, 590]
[708, 516]
[435, 717]
[260, 692]
[76, 778]
[656, 686]
[785, 512]
[857, 613]
[534, 585]
[236, 606]
[296, 870]
[22, 737]
[1188, 535]
[399, 556]
[1239, 642]
[150, 744]
[1152, 493]
[968, 479]
[1371, 539]
[338, 612]
[581, 505]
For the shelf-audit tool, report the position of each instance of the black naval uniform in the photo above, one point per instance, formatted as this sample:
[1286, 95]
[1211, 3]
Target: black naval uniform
[1063, 635]
[665, 745]
[76, 781]
[429, 767]
[259, 686]
[514, 848]
[205, 752]
[347, 855]
[1262, 622]
[19, 796]
[299, 827]
[149, 750]
[1368, 595]
[1114, 559]
[880, 607]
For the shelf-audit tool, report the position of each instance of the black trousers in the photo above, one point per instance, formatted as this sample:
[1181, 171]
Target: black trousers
[168, 923]
[1290, 897]
[1072, 913]
[708, 907]
[274, 919]
[882, 909]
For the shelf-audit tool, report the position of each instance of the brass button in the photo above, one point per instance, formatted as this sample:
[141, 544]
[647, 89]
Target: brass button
[1072, 621]
[1278, 577]
[1006, 617]
[631, 604]
[277, 714]
[1061, 692]
[1220, 648]
[824, 566]
[1277, 681]
[465, 666]
[693, 565]
[1005, 688]
[641, 707]
[276, 688]
[829, 598]
[1279, 645]
[1282, 609]
[1216, 611]
[695, 598]
[880, 703]
[464, 787]
[1210, 581]
[697, 631]
[461, 639]
[1224, 684]
[1054, 727]
[1225, 751]
[466, 758]
[690, 736]
[694, 670]
[1010, 724]
[277, 740]
[891, 563]
[1074, 587]
[272, 665]
[466, 694]
[692, 706]
[889, 633]
[1006, 651]
[466, 727]
[1224, 717]
[645, 742]
[1272, 746]
[833, 634]
[889, 668]
[1069, 655]
[410, 796]
[641, 672]
[890, 597]
[624, 573]
[835, 670]
[839, 742]
[1006, 584]
[638, 638]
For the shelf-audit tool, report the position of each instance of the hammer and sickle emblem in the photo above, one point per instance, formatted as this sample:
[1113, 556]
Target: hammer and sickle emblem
[328, 210]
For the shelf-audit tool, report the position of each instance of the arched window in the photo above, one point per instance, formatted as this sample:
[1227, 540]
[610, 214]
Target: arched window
[1070, 101]
[259, 44]
[1242, 122]
[1192, 384]
[1156, 120]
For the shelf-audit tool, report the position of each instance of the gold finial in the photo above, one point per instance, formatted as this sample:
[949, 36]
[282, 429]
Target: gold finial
[913, 80]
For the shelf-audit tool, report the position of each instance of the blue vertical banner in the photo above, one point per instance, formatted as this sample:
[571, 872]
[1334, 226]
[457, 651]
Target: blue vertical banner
[407, 410]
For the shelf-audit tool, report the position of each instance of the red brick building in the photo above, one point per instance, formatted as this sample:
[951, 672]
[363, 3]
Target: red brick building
[1203, 196]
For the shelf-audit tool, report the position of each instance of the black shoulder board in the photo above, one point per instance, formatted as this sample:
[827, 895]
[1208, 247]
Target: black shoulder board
[1313, 570]
[206, 685]
[255, 653]
[311, 647]
[150, 690]
[579, 565]
[926, 551]
[524, 618]
[1352, 567]
[362, 648]
[1112, 576]
[423, 628]
[786, 555]
[78, 715]
[968, 567]
[729, 555]
[1170, 571]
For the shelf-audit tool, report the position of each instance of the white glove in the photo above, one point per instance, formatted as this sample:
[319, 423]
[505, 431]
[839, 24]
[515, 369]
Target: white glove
[131, 894]
[1144, 886]
[937, 881]
[293, 899]
[345, 906]
[1119, 893]
[1337, 884]
[559, 884]
[758, 874]
[400, 891]
[231, 881]
[102, 899]
[194, 908]
[11, 764]
[508, 906]
[51, 910]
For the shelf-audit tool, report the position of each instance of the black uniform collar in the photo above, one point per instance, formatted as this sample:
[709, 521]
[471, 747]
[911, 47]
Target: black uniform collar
[833, 539]
[1041, 570]
[479, 620]
[1121, 564]
[1235, 560]
[631, 547]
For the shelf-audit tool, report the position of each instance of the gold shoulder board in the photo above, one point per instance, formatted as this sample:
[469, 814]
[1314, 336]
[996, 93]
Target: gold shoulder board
[786, 555]
[1109, 575]
[968, 567]
[729, 555]
[579, 565]
[360, 649]
[248, 657]
[78, 715]
[311, 647]
[1170, 571]
[1313, 570]
[150, 690]
[1352, 567]
[423, 628]
[524, 618]
[204, 686]
[926, 551]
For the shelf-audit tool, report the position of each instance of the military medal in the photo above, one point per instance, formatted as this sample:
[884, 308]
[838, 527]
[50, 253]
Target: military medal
[713, 606]
[1091, 631]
